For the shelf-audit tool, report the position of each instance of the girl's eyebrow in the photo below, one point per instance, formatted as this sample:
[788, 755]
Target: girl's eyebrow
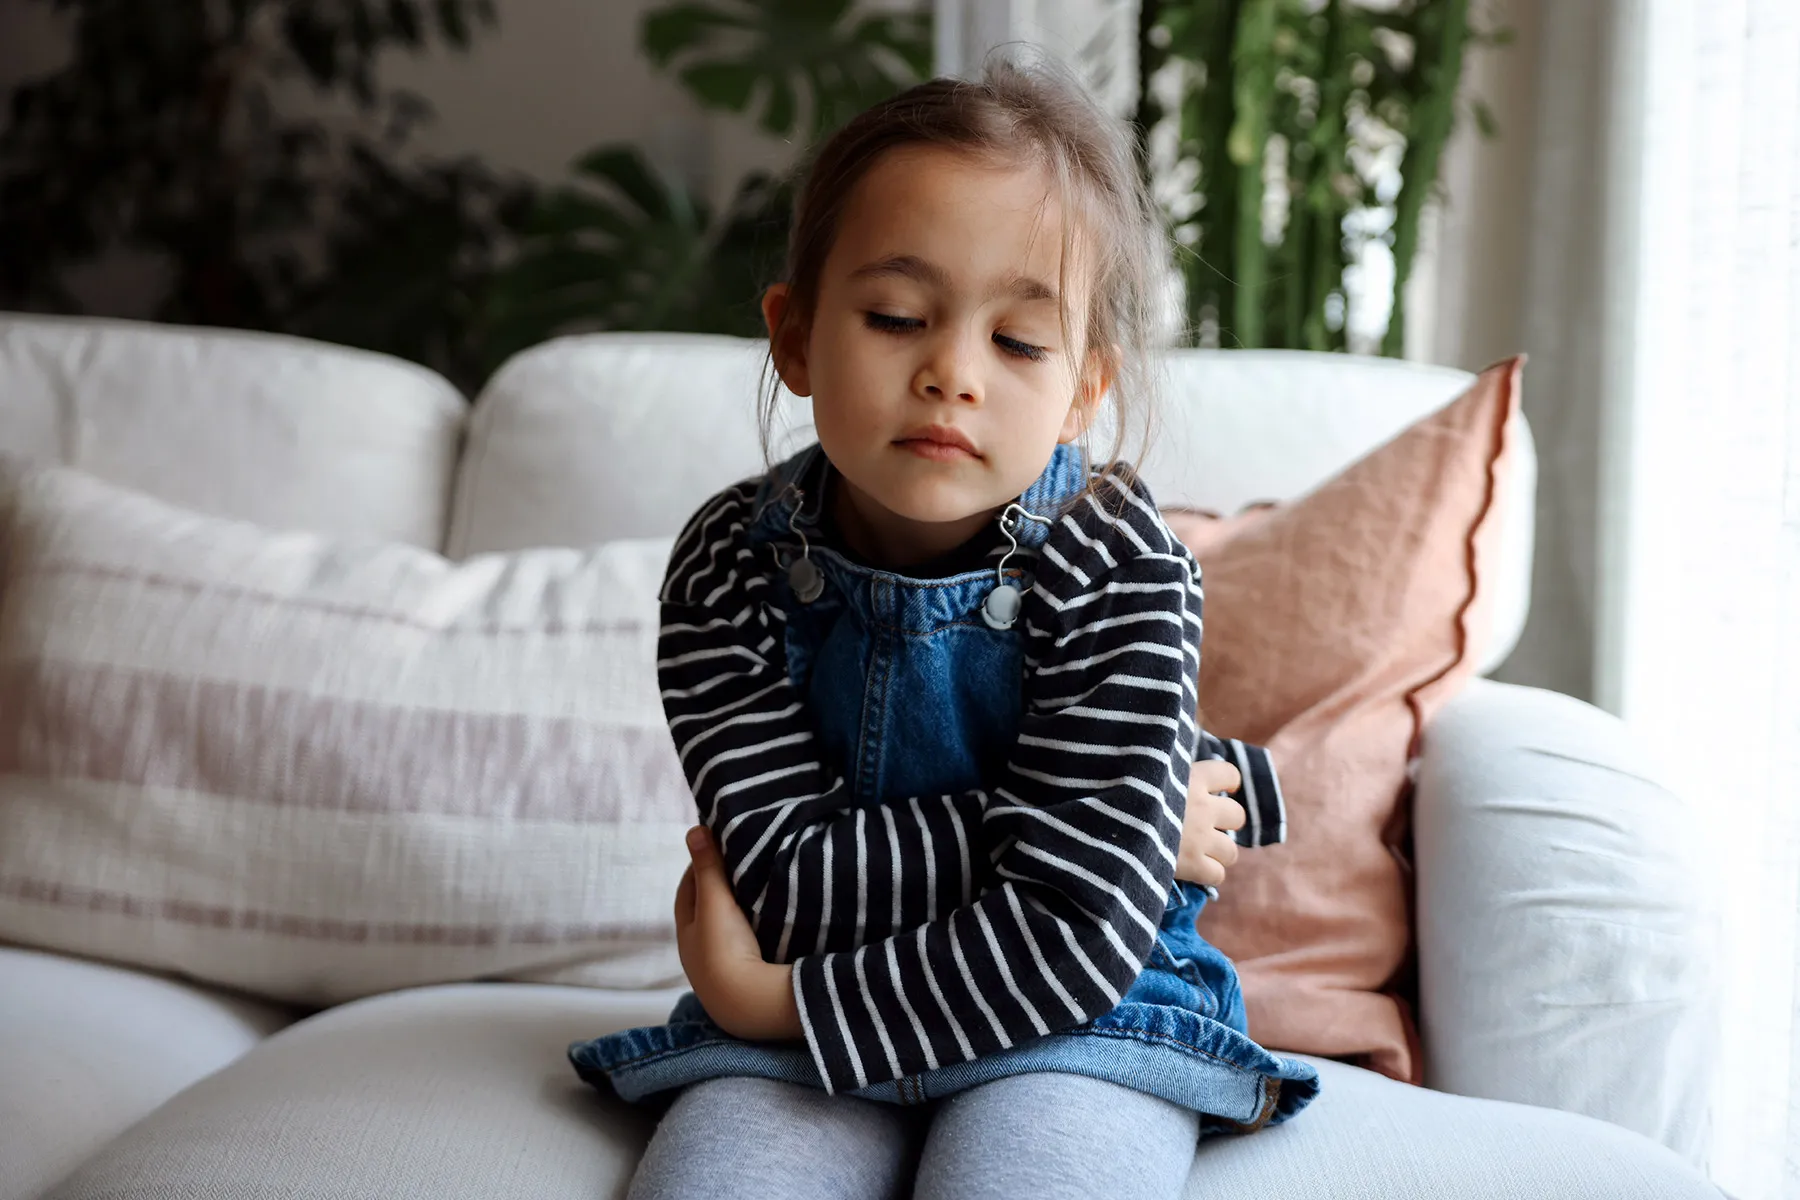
[911, 266]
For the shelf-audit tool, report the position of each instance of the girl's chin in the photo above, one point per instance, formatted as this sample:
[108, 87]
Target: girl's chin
[929, 497]
[940, 509]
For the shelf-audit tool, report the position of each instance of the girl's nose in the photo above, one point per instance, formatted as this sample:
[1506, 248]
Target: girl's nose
[948, 372]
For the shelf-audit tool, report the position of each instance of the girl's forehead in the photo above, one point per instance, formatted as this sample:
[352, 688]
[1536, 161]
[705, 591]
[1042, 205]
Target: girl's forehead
[961, 211]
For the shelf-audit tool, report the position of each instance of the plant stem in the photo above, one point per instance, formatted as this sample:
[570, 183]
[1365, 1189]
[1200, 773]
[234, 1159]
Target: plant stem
[1325, 207]
[1253, 92]
[1434, 111]
[1204, 39]
[1150, 58]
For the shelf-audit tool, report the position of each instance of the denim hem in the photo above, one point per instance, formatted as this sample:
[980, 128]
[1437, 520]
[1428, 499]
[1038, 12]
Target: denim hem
[1180, 1056]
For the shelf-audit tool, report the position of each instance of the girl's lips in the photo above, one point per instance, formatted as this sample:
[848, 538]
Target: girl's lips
[936, 451]
[939, 442]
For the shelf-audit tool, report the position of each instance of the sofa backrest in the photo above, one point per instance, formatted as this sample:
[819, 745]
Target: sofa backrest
[614, 435]
[601, 436]
[281, 431]
[584, 439]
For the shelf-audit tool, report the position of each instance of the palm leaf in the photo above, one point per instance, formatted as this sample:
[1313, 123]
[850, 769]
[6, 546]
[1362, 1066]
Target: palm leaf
[624, 248]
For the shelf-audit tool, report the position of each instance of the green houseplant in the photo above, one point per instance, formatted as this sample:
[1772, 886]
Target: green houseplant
[1278, 110]
[625, 248]
[162, 138]
[1275, 105]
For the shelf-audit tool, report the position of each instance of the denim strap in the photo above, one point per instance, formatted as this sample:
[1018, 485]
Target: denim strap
[1063, 480]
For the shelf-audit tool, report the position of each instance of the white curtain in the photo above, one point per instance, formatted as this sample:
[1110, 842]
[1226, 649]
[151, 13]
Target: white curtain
[1659, 297]
[1557, 97]
[1697, 591]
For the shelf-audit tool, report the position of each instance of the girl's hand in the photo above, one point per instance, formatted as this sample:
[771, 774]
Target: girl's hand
[1207, 847]
[745, 996]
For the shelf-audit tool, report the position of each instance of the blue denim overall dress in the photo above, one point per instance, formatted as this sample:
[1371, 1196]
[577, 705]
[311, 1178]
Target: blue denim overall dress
[934, 710]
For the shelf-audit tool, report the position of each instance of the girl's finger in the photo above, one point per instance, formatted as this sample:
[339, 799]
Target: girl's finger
[1193, 866]
[1230, 815]
[1216, 775]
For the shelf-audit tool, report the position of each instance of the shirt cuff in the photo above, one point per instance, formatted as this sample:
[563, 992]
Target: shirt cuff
[824, 1022]
[1260, 793]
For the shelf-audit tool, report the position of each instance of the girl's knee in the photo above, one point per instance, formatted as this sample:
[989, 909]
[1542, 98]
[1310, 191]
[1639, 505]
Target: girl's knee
[759, 1137]
[1055, 1135]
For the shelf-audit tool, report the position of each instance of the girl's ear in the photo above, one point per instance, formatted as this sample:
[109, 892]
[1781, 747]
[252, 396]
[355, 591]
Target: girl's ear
[787, 343]
[1090, 390]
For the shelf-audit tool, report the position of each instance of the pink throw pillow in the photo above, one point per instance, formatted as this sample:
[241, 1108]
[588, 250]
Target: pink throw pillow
[1336, 626]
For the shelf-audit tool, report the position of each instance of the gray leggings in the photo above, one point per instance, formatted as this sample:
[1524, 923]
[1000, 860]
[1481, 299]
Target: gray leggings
[1044, 1136]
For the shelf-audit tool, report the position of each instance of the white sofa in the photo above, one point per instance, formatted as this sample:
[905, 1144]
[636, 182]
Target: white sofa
[1564, 1059]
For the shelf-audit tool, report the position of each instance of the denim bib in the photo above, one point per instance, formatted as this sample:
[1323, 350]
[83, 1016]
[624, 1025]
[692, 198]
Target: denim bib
[912, 688]
[915, 689]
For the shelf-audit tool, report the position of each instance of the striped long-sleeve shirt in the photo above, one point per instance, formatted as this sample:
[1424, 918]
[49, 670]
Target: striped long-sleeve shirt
[934, 930]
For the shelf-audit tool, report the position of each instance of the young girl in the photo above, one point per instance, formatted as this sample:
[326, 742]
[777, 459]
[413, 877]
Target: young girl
[933, 683]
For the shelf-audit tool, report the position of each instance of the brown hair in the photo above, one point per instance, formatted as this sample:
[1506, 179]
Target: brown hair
[1028, 111]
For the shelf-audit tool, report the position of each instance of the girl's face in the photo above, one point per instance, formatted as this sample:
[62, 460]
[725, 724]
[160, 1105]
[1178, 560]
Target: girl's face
[935, 354]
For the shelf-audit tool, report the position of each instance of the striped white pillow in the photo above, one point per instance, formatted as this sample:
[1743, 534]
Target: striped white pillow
[315, 768]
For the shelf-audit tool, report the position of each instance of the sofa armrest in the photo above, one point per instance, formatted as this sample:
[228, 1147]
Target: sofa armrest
[1566, 958]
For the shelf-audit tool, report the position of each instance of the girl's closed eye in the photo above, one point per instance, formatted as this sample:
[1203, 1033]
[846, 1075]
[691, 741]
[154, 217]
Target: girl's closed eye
[1021, 349]
[882, 322]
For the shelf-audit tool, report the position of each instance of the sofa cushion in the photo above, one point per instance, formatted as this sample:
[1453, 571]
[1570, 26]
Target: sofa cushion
[90, 1049]
[287, 432]
[446, 1093]
[426, 1094]
[315, 768]
[609, 435]
[1336, 626]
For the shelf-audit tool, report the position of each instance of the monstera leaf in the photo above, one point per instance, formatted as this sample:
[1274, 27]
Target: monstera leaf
[626, 249]
[777, 54]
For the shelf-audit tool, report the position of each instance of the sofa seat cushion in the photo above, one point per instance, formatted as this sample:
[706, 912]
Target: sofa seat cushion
[89, 1049]
[464, 1091]
[433, 1093]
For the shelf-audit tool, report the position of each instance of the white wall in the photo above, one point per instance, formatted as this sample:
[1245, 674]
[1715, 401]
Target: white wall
[562, 76]
[1514, 263]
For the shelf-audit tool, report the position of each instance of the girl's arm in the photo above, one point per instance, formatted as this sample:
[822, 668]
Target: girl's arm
[812, 870]
[1084, 823]
[792, 842]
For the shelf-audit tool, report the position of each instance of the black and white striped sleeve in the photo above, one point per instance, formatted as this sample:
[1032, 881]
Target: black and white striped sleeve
[1083, 826]
[1259, 793]
[813, 871]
